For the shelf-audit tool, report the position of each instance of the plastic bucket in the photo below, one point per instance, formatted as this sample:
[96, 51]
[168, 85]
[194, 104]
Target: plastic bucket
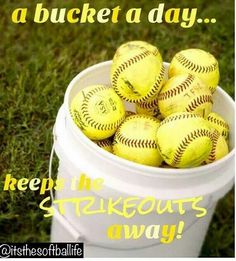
[122, 178]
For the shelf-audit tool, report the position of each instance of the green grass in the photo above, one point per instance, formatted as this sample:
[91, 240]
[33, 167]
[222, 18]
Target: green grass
[36, 64]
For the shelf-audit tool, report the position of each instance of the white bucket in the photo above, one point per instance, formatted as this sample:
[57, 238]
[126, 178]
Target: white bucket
[122, 178]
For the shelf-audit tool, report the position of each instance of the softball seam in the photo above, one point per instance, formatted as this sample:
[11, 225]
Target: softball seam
[224, 133]
[179, 117]
[121, 68]
[76, 117]
[148, 105]
[178, 89]
[155, 53]
[199, 133]
[199, 101]
[195, 67]
[104, 143]
[214, 137]
[218, 122]
[135, 143]
[90, 120]
[124, 66]
[156, 85]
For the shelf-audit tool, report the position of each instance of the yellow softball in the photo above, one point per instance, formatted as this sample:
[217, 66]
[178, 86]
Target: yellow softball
[105, 144]
[184, 140]
[135, 140]
[197, 62]
[185, 93]
[149, 107]
[137, 72]
[219, 147]
[98, 111]
[218, 123]
[125, 48]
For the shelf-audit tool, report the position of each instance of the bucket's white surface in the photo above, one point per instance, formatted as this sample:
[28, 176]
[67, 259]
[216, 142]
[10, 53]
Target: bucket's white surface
[77, 154]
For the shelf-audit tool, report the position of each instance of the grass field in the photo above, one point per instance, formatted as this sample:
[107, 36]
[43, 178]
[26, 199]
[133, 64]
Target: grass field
[36, 64]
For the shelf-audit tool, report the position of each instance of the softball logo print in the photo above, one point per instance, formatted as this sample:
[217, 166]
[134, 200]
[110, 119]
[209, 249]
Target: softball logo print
[96, 100]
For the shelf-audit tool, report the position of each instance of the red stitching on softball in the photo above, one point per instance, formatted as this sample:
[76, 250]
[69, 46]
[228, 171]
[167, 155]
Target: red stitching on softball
[148, 105]
[214, 137]
[178, 89]
[218, 122]
[186, 142]
[128, 63]
[103, 143]
[199, 100]
[179, 117]
[195, 67]
[135, 143]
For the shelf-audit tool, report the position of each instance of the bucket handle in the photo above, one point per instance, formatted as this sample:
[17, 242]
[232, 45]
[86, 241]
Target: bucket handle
[78, 237]
[50, 169]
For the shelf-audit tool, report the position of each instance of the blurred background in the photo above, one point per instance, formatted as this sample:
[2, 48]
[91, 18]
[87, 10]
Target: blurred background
[37, 62]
